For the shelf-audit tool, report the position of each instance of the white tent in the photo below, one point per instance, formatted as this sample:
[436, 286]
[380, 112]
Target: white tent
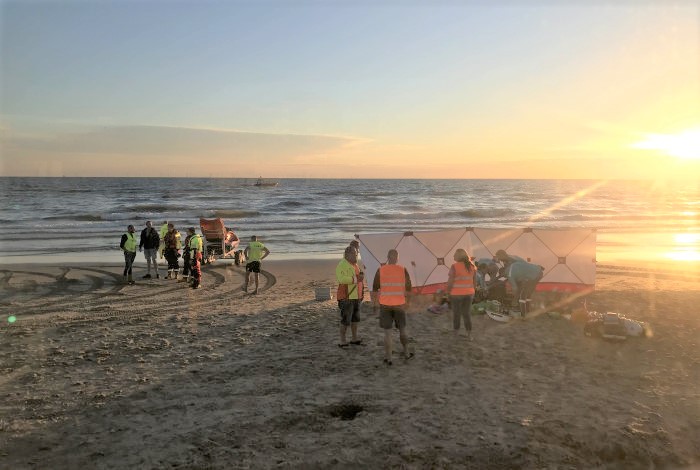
[567, 256]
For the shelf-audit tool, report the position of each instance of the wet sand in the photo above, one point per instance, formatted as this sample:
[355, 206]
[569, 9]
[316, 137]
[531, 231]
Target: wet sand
[96, 374]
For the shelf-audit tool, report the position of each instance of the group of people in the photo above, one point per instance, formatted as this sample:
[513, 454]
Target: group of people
[520, 275]
[391, 291]
[166, 243]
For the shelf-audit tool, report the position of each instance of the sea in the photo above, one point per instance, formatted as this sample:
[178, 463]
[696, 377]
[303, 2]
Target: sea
[56, 220]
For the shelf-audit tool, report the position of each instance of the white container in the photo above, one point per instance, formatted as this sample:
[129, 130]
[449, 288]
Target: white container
[323, 293]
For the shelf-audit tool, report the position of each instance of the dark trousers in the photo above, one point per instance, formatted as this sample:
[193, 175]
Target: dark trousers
[129, 258]
[197, 269]
[461, 309]
[525, 291]
[171, 256]
[186, 265]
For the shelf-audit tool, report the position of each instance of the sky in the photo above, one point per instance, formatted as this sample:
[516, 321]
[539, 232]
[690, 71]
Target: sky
[351, 89]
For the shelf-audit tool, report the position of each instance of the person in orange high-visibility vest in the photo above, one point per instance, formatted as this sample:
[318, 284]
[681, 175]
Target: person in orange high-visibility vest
[391, 289]
[460, 285]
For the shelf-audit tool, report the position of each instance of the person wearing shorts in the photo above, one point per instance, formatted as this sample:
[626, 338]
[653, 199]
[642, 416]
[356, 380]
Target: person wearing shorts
[150, 242]
[255, 252]
[391, 290]
[349, 293]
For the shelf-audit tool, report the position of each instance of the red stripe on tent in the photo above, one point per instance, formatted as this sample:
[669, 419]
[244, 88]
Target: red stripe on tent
[541, 287]
[430, 289]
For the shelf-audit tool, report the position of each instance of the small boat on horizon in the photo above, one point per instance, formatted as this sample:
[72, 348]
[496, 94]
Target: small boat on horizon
[262, 182]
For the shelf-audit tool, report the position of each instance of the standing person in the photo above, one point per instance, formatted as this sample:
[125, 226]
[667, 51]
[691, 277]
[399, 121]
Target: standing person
[255, 252]
[523, 278]
[150, 242]
[391, 289]
[186, 257]
[356, 246]
[172, 251]
[195, 247]
[349, 293]
[163, 230]
[128, 245]
[460, 285]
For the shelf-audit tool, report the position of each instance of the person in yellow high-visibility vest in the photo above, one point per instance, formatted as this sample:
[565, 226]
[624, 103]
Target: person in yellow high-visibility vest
[255, 252]
[391, 289]
[195, 247]
[349, 294]
[128, 245]
[162, 232]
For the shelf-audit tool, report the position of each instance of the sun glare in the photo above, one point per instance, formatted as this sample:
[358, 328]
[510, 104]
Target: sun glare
[685, 145]
[687, 247]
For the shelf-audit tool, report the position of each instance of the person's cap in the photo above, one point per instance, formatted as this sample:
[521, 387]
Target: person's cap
[501, 254]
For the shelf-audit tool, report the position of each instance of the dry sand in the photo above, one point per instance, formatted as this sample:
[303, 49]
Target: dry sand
[95, 374]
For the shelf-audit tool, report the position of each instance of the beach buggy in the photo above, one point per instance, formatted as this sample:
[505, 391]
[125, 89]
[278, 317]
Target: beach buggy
[219, 241]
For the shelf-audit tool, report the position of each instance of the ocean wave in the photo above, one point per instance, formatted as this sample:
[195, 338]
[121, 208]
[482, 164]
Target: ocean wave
[288, 204]
[483, 213]
[152, 208]
[317, 242]
[234, 214]
[76, 217]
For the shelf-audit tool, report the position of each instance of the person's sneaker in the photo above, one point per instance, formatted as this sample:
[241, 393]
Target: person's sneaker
[147, 276]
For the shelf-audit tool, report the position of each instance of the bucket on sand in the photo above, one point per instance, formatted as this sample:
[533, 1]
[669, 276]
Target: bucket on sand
[323, 293]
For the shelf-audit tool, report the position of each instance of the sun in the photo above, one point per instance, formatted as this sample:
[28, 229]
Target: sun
[685, 145]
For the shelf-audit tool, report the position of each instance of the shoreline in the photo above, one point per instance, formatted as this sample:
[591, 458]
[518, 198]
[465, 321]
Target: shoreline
[687, 269]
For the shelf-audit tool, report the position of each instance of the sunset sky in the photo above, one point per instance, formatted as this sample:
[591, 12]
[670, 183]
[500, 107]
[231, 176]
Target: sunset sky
[387, 89]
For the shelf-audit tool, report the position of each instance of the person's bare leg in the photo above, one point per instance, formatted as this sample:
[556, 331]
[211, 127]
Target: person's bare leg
[403, 337]
[343, 331]
[387, 345]
[257, 280]
[353, 330]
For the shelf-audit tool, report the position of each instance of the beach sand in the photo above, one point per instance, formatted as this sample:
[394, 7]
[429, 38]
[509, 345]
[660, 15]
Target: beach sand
[95, 374]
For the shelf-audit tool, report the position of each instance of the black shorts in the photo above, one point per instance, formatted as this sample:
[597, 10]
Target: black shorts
[253, 267]
[349, 311]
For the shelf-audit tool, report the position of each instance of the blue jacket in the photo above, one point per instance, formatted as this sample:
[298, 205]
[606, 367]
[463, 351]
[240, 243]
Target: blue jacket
[520, 271]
